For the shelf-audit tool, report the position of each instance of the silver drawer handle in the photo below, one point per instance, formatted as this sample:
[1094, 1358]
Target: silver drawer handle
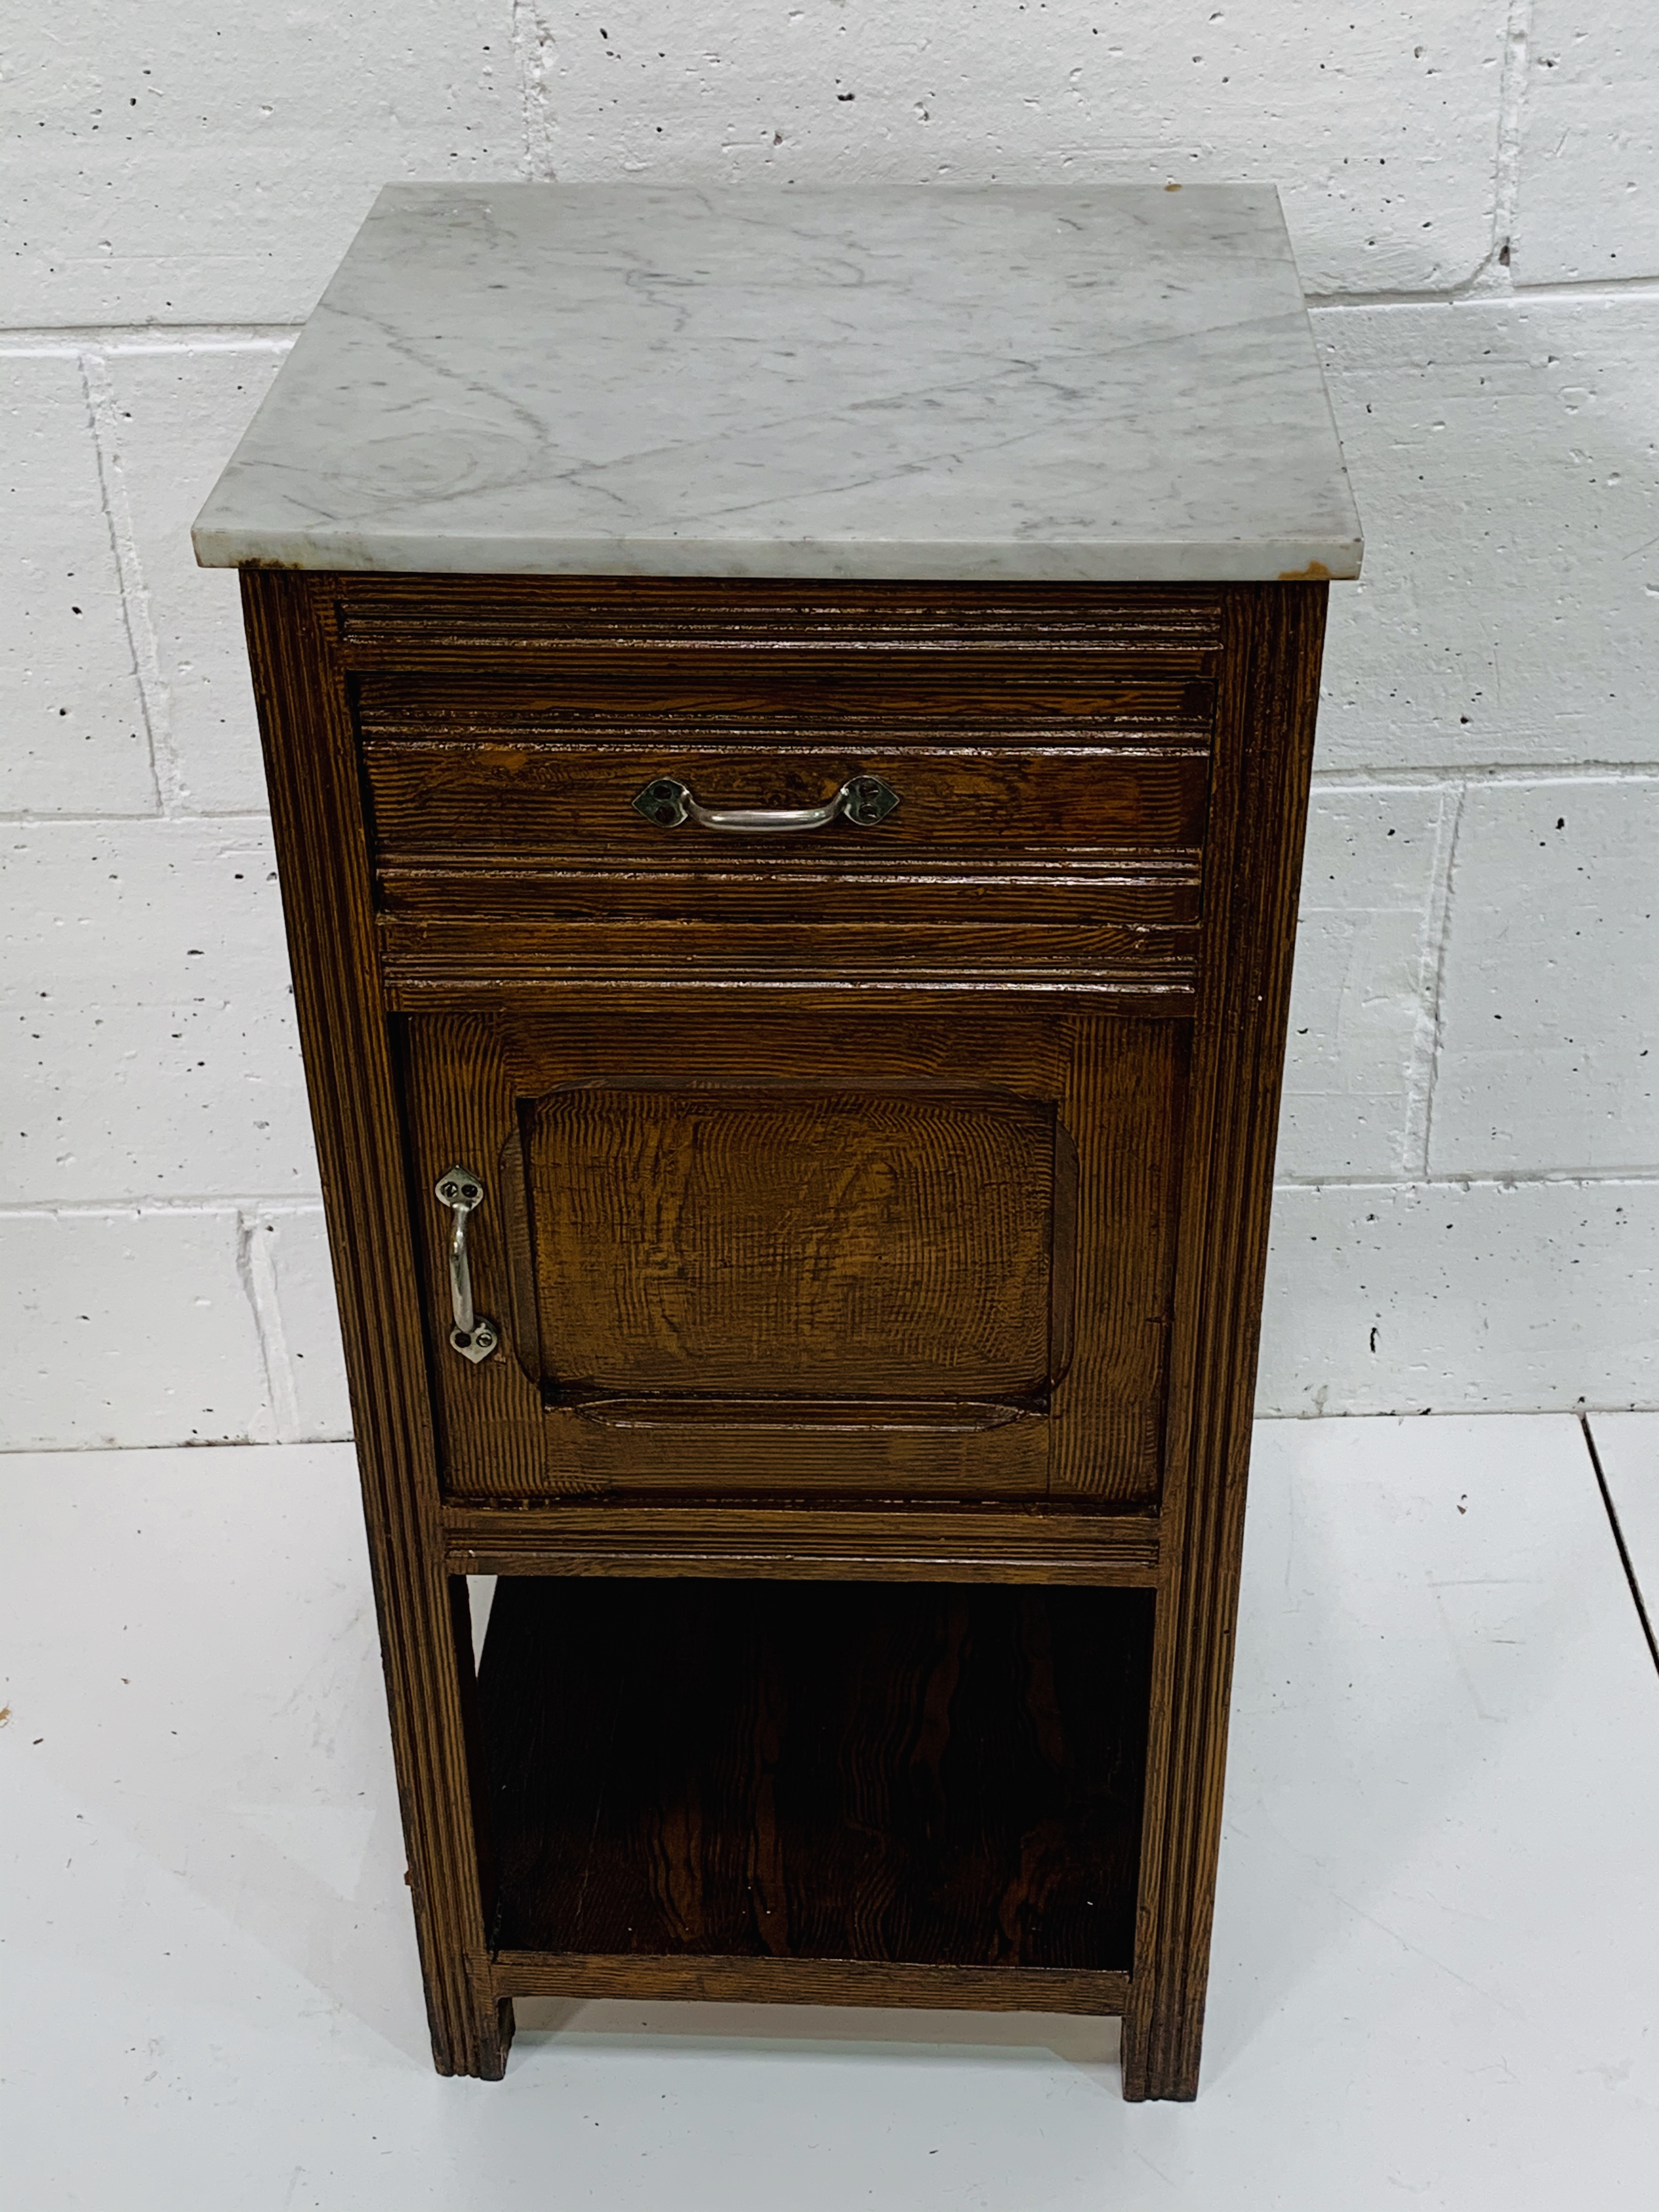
[472, 1336]
[667, 802]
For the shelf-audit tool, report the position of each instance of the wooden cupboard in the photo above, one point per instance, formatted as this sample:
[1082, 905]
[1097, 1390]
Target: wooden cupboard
[795, 1069]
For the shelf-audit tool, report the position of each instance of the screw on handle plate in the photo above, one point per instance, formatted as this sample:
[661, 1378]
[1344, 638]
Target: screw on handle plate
[479, 1345]
[472, 1336]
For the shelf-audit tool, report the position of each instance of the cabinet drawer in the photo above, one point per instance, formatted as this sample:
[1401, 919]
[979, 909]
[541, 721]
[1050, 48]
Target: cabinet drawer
[1035, 822]
[521, 802]
[498, 865]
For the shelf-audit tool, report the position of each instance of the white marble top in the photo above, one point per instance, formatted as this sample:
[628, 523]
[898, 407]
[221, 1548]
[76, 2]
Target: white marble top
[936, 383]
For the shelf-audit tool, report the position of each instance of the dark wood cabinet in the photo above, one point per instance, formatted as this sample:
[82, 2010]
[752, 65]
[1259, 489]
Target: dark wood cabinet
[865, 1220]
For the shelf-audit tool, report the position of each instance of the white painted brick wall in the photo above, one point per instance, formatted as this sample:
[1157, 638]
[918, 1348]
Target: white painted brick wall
[129, 1326]
[1367, 950]
[1378, 124]
[1505, 453]
[1447, 1297]
[195, 162]
[1468, 1211]
[170, 424]
[75, 739]
[1549, 1017]
[287, 1250]
[1590, 143]
[150, 1045]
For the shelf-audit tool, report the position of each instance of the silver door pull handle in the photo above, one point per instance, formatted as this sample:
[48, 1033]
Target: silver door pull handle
[472, 1336]
[668, 802]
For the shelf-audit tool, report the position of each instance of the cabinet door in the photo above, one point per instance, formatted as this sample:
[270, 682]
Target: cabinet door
[781, 1254]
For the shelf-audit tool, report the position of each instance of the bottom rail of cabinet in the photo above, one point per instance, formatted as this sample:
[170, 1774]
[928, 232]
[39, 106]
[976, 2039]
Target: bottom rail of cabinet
[962, 1543]
[644, 1977]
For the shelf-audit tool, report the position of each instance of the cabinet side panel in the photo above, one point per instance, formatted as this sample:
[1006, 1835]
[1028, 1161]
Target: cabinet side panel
[1268, 698]
[316, 812]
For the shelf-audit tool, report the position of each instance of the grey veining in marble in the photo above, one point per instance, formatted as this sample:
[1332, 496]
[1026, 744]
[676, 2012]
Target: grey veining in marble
[1109, 383]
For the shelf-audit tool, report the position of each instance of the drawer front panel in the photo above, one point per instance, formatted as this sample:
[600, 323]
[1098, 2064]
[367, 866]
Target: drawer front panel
[556, 803]
[1049, 783]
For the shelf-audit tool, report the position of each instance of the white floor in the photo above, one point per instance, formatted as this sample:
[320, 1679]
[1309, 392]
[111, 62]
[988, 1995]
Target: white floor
[1437, 1949]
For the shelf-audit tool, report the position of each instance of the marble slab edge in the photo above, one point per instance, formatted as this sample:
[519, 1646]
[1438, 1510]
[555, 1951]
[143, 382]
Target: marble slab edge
[1301, 560]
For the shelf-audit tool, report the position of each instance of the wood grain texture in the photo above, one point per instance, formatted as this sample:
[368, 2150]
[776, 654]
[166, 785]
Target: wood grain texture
[751, 698]
[1152, 891]
[534, 799]
[508, 1428]
[866, 1273]
[431, 966]
[891, 1542]
[921, 1774]
[1124, 1106]
[868, 953]
[429, 622]
[323, 857]
[1265, 730]
[1115, 971]
[472, 779]
[808, 1981]
[758, 1242]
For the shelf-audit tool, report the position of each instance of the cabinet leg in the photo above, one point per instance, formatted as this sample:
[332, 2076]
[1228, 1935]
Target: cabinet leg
[1159, 2067]
[432, 1697]
[480, 2047]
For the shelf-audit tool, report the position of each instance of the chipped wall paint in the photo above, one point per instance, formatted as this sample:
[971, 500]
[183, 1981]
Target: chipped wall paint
[1468, 1210]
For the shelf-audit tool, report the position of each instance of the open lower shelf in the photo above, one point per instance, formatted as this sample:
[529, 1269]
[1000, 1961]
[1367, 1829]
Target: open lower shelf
[922, 1773]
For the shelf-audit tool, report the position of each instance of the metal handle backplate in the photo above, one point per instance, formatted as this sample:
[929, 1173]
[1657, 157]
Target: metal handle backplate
[472, 1336]
[667, 802]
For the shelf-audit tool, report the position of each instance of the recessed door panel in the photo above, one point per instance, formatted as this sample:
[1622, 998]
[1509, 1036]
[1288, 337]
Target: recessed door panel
[821, 1245]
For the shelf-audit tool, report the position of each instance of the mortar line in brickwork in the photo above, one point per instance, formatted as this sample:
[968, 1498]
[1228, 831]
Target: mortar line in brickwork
[1463, 295]
[113, 1209]
[134, 597]
[1506, 172]
[1639, 1178]
[1437, 779]
[1413, 1412]
[1423, 1070]
[247, 822]
[244, 820]
[257, 1273]
[532, 47]
[292, 1208]
[210, 1443]
[1579, 1408]
[96, 396]
[69, 339]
